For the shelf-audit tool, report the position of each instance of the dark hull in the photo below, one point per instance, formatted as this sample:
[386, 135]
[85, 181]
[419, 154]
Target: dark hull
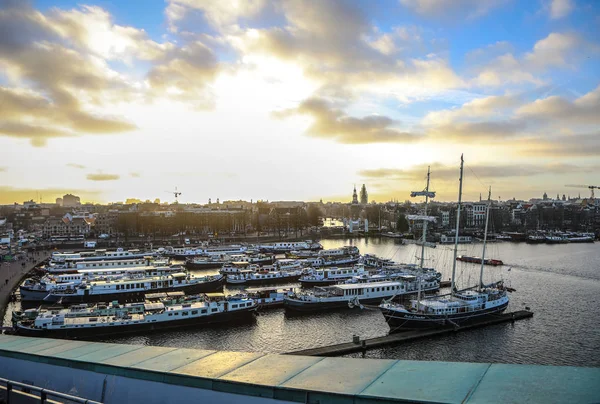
[399, 321]
[208, 265]
[322, 282]
[268, 281]
[203, 287]
[237, 315]
[312, 307]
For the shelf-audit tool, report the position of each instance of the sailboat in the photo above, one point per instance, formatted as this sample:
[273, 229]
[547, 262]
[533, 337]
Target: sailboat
[458, 307]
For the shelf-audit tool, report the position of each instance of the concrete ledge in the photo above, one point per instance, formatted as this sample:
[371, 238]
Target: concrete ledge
[248, 377]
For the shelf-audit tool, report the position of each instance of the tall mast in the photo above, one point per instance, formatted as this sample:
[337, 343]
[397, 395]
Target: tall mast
[487, 218]
[460, 184]
[425, 220]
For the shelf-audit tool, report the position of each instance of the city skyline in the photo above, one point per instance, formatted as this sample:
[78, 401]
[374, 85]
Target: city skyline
[284, 101]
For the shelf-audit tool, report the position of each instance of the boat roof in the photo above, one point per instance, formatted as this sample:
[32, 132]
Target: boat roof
[266, 288]
[365, 285]
[162, 295]
[153, 306]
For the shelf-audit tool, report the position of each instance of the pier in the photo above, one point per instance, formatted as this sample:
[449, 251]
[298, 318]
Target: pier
[407, 336]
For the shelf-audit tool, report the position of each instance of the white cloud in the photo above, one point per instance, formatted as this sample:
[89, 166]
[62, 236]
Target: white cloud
[560, 8]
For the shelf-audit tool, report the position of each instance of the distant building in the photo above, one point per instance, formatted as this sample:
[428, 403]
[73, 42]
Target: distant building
[364, 196]
[70, 200]
[59, 201]
[354, 197]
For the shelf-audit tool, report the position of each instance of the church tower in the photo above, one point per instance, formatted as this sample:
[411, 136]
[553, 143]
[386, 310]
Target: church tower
[354, 197]
[364, 196]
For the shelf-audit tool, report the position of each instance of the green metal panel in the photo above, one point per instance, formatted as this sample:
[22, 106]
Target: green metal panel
[217, 364]
[446, 382]
[271, 370]
[137, 356]
[173, 360]
[340, 375]
[538, 384]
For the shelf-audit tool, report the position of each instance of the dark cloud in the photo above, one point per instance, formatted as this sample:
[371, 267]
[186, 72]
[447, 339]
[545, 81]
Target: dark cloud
[333, 123]
[102, 177]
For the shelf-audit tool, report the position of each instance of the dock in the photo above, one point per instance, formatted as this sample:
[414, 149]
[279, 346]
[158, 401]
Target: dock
[407, 336]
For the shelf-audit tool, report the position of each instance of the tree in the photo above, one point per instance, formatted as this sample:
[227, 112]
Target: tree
[314, 213]
[401, 223]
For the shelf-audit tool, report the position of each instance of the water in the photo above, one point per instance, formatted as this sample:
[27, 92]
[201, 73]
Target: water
[560, 283]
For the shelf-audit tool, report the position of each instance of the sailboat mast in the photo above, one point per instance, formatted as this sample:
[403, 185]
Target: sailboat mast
[425, 219]
[487, 218]
[460, 184]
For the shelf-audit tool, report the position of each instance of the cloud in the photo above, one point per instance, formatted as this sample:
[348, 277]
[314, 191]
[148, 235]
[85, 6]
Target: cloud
[488, 172]
[332, 123]
[135, 175]
[61, 80]
[3, 169]
[219, 14]
[452, 8]
[484, 107]
[78, 166]
[560, 8]
[557, 50]
[582, 111]
[336, 45]
[102, 177]
[580, 145]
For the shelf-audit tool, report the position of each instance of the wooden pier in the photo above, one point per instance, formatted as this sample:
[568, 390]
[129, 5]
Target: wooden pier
[407, 336]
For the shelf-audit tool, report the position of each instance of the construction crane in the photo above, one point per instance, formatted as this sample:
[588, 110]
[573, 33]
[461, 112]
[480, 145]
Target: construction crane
[590, 187]
[175, 193]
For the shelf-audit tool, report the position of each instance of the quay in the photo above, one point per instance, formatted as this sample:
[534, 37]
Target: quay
[406, 336]
[116, 373]
[12, 273]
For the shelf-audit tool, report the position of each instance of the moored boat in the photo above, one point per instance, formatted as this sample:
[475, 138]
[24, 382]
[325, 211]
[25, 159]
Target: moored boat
[477, 260]
[131, 318]
[330, 276]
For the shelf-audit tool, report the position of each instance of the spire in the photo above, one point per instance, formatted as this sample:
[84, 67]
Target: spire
[354, 196]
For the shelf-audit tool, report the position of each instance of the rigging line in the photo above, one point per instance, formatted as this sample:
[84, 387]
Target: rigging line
[473, 172]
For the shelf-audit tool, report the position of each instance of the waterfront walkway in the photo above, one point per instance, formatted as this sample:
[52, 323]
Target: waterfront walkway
[116, 373]
[11, 274]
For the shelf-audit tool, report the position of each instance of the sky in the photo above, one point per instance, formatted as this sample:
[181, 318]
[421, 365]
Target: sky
[297, 100]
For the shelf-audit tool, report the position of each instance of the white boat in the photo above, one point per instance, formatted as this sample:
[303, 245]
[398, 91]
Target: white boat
[350, 295]
[250, 277]
[285, 246]
[331, 276]
[147, 316]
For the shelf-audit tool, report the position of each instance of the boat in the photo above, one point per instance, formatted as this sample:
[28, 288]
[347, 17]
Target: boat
[268, 297]
[100, 255]
[216, 261]
[446, 239]
[330, 276]
[190, 252]
[478, 260]
[131, 289]
[580, 239]
[132, 318]
[374, 261]
[75, 265]
[535, 239]
[552, 239]
[503, 237]
[457, 308]
[250, 277]
[355, 294]
[32, 290]
[286, 246]
[339, 252]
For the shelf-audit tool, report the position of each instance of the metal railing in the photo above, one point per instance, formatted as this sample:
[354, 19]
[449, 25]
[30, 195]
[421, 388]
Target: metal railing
[12, 388]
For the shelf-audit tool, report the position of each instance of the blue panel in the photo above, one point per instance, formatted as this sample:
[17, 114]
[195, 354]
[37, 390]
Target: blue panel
[173, 359]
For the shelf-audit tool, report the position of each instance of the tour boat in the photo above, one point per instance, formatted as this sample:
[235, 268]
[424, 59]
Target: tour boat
[355, 294]
[75, 265]
[250, 277]
[100, 255]
[32, 290]
[478, 260]
[133, 289]
[268, 297]
[131, 318]
[457, 308]
[286, 246]
[330, 276]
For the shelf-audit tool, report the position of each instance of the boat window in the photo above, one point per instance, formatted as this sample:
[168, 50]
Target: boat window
[234, 306]
[170, 314]
[213, 310]
[184, 313]
[176, 314]
[203, 311]
[194, 312]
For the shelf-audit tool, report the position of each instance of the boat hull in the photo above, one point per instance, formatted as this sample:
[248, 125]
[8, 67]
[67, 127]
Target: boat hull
[204, 265]
[265, 281]
[303, 306]
[320, 282]
[203, 287]
[74, 333]
[400, 321]
[31, 295]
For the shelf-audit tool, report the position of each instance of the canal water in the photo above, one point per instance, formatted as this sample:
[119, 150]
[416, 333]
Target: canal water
[559, 283]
